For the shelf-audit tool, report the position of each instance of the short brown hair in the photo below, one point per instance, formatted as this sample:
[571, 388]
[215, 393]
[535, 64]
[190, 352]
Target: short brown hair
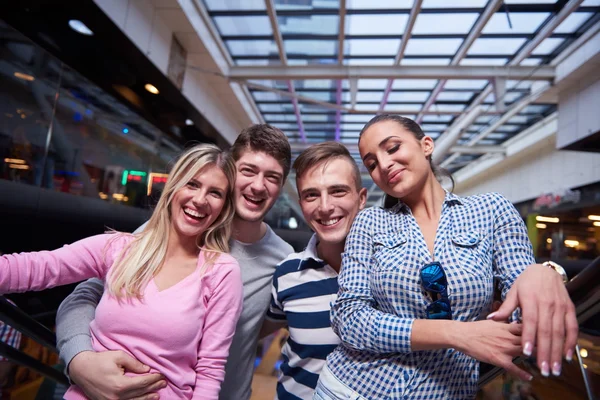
[324, 153]
[267, 139]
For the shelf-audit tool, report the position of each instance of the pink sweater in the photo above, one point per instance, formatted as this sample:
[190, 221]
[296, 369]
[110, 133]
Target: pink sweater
[183, 332]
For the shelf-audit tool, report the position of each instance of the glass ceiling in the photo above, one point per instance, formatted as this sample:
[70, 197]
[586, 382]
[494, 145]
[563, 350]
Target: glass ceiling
[373, 32]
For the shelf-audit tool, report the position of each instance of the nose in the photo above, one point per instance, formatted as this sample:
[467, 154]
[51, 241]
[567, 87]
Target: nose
[385, 163]
[258, 183]
[199, 199]
[325, 205]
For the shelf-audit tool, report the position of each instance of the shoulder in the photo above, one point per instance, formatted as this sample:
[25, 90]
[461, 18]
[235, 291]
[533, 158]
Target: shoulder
[226, 260]
[290, 264]
[278, 243]
[225, 267]
[373, 216]
[493, 201]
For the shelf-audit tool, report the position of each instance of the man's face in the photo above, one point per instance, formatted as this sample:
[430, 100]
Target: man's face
[329, 199]
[257, 185]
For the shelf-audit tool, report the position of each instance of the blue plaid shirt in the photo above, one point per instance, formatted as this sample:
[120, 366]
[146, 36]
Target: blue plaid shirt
[479, 238]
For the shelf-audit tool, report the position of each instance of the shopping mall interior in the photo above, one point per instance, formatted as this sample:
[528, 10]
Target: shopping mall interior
[100, 97]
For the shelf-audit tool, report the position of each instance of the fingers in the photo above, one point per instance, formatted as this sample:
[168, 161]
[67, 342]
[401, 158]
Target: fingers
[507, 308]
[572, 331]
[141, 386]
[558, 337]
[530, 326]
[131, 364]
[151, 396]
[516, 329]
[544, 337]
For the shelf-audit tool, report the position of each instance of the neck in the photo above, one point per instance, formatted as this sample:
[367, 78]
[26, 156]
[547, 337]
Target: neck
[428, 200]
[248, 231]
[180, 246]
[331, 253]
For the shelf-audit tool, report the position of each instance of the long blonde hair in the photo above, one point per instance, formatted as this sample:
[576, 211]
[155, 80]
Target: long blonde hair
[141, 260]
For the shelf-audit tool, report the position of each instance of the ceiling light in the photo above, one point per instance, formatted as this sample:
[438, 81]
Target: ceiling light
[547, 219]
[23, 76]
[571, 243]
[189, 122]
[597, 223]
[549, 240]
[80, 27]
[594, 217]
[151, 88]
[583, 353]
[541, 226]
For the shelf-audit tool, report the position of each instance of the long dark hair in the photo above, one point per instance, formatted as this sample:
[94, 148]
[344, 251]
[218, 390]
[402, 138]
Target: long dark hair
[414, 128]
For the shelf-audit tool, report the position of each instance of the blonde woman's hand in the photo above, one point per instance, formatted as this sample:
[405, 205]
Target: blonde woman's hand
[491, 342]
[102, 376]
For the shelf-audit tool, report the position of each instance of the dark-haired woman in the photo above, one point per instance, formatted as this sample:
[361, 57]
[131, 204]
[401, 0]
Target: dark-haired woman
[417, 281]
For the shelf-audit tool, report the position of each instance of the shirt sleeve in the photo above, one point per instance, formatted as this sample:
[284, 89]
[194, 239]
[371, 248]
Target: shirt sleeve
[73, 320]
[222, 313]
[354, 316]
[45, 269]
[512, 250]
[275, 312]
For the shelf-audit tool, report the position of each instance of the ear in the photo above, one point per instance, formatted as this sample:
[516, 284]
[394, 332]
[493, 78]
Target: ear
[362, 198]
[428, 145]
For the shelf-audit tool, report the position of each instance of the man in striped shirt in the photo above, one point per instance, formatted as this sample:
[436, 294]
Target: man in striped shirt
[305, 283]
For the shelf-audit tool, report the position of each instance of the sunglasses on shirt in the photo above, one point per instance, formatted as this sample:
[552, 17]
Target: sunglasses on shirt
[434, 282]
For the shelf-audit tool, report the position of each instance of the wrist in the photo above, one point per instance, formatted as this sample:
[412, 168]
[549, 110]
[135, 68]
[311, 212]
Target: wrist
[453, 335]
[558, 269]
[78, 358]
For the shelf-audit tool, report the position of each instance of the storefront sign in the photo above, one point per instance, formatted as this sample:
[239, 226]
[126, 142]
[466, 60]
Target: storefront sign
[551, 200]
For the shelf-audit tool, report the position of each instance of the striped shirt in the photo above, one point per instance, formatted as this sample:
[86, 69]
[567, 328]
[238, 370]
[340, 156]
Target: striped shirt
[304, 287]
[479, 238]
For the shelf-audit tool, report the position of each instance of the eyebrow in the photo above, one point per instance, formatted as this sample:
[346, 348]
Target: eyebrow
[381, 144]
[254, 166]
[333, 187]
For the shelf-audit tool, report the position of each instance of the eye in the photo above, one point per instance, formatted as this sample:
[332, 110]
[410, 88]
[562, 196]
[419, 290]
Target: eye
[393, 149]
[217, 194]
[193, 185]
[247, 171]
[339, 192]
[274, 179]
[310, 196]
[371, 166]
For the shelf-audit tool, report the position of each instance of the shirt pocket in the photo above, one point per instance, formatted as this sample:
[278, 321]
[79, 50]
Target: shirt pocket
[389, 250]
[468, 248]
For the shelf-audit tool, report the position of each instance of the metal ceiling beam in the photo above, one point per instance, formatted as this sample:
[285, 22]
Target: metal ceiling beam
[283, 57]
[403, 43]
[340, 60]
[390, 72]
[485, 16]
[546, 31]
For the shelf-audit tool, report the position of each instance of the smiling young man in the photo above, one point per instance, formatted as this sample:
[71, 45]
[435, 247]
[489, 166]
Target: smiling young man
[305, 283]
[262, 156]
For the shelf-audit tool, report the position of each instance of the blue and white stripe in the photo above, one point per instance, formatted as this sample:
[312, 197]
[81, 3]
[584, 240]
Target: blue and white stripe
[304, 287]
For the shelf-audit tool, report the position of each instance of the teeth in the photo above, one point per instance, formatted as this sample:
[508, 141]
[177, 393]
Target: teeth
[255, 199]
[194, 213]
[330, 222]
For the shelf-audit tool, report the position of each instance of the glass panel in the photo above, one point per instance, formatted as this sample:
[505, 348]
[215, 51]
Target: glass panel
[572, 23]
[271, 107]
[367, 96]
[444, 23]
[310, 47]
[454, 3]
[590, 3]
[371, 47]
[547, 46]
[214, 5]
[496, 46]
[531, 62]
[363, 119]
[448, 107]
[414, 83]
[521, 22]
[431, 118]
[315, 24]
[530, 1]
[434, 127]
[323, 96]
[484, 61]
[369, 61]
[268, 96]
[465, 83]
[535, 109]
[455, 96]
[317, 117]
[280, 117]
[246, 25]
[379, 4]
[251, 48]
[431, 47]
[511, 97]
[372, 83]
[408, 96]
[315, 84]
[378, 24]
[352, 127]
[256, 62]
[404, 107]
[425, 61]
[364, 107]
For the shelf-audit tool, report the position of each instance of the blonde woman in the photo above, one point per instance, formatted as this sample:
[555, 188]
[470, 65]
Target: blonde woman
[173, 294]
